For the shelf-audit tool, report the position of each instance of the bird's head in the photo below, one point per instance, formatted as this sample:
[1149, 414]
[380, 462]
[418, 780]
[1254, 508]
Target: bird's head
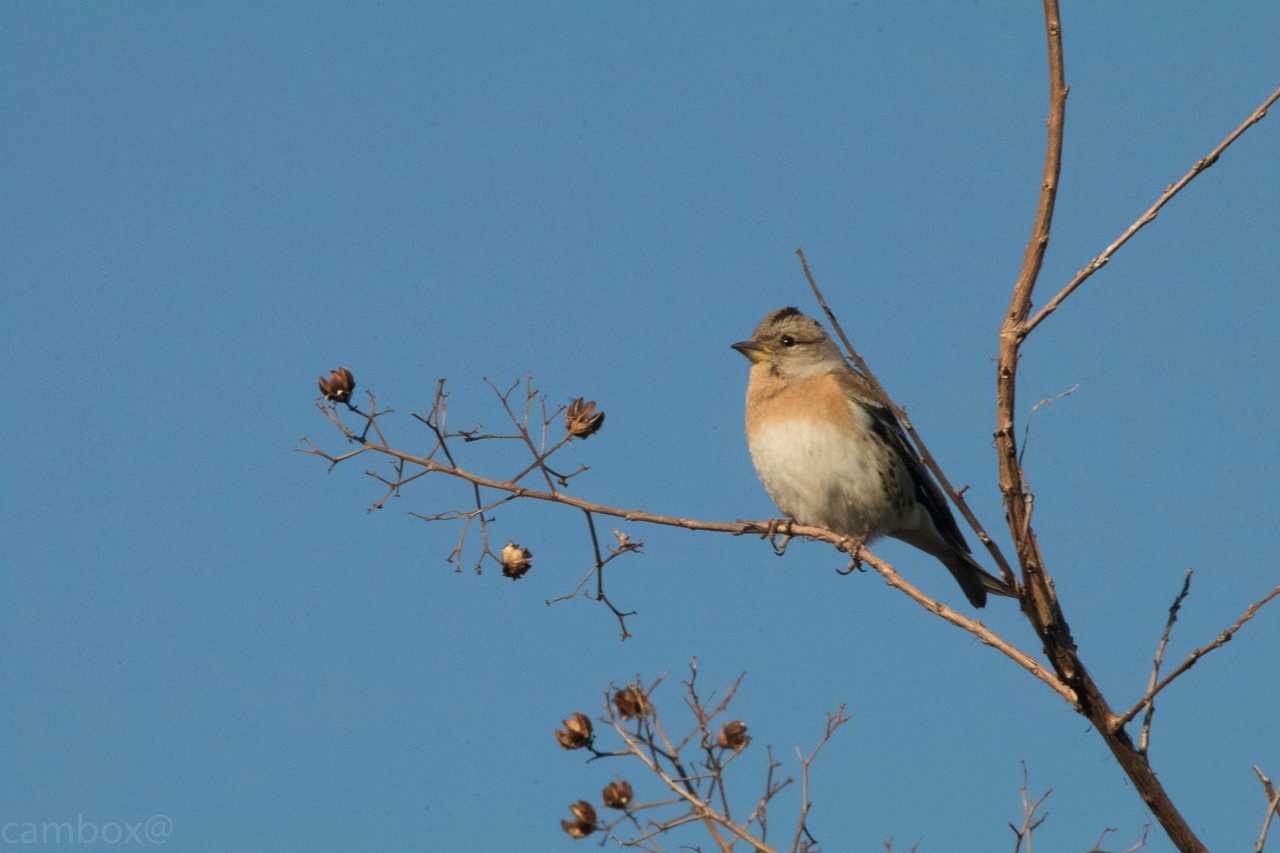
[791, 344]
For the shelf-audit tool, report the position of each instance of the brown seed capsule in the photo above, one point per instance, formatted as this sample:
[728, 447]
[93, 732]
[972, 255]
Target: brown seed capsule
[631, 702]
[584, 820]
[338, 385]
[516, 561]
[617, 795]
[733, 735]
[581, 418]
[576, 732]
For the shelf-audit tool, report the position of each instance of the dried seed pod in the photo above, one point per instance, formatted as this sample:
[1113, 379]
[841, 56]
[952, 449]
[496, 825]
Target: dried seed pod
[733, 735]
[516, 561]
[338, 385]
[617, 795]
[581, 418]
[631, 702]
[576, 732]
[584, 820]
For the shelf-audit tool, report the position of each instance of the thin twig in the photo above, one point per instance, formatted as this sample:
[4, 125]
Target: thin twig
[1135, 846]
[1173, 189]
[834, 722]
[1141, 842]
[760, 814]
[1273, 799]
[1030, 823]
[1222, 639]
[1266, 782]
[523, 426]
[1145, 737]
[600, 562]
[702, 720]
[710, 817]
[437, 423]
[1266, 824]
[1047, 401]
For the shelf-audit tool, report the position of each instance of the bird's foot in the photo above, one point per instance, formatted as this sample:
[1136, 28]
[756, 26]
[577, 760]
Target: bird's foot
[852, 545]
[775, 528]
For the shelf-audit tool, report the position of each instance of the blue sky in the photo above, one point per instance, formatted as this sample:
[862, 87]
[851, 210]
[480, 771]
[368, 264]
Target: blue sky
[206, 205]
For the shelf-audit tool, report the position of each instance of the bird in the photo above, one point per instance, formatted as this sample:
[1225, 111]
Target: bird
[831, 454]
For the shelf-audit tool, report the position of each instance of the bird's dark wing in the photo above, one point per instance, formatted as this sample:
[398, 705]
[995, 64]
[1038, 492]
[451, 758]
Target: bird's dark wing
[888, 429]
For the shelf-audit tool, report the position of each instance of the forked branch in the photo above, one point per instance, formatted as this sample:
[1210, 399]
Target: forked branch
[1172, 190]
[1191, 659]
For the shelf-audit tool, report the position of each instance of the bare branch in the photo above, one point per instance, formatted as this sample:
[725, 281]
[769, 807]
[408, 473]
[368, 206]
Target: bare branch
[1012, 483]
[1047, 401]
[522, 425]
[1040, 599]
[1173, 189]
[1265, 781]
[1222, 639]
[844, 543]
[599, 570]
[1141, 842]
[437, 421]
[834, 722]
[1266, 824]
[1030, 821]
[760, 814]
[681, 788]
[1145, 738]
[1137, 845]
[1273, 801]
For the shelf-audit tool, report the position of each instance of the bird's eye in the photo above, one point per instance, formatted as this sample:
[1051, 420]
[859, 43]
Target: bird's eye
[788, 341]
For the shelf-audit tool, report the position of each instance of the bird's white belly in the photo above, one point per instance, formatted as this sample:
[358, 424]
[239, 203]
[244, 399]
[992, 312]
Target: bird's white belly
[824, 475]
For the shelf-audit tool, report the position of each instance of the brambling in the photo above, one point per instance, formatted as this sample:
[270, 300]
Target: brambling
[831, 455]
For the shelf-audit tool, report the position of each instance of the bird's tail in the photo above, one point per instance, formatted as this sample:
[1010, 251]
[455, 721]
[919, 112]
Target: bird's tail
[973, 579]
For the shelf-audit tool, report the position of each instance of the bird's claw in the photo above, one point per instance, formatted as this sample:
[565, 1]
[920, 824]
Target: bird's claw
[778, 527]
[852, 546]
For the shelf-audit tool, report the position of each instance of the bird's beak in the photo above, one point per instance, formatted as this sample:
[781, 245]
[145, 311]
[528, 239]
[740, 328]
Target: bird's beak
[752, 350]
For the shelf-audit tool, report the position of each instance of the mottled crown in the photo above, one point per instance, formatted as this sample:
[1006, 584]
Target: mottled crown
[788, 321]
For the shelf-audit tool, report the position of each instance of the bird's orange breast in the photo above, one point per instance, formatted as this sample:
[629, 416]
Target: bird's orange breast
[820, 398]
